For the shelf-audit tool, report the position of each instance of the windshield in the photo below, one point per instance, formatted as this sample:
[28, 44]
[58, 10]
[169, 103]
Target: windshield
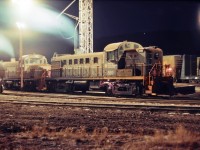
[35, 61]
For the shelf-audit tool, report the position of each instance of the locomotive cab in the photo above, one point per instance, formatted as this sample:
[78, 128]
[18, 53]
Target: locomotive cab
[119, 54]
[34, 65]
[131, 59]
[138, 69]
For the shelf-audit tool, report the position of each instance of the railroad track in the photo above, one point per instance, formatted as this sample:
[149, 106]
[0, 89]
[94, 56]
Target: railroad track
[28, 98]
[190, 100]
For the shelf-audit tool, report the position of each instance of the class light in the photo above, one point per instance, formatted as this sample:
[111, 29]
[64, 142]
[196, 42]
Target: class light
[169, 69]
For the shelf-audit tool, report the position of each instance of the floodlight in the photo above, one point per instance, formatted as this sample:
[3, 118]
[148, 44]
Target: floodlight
[23, 5]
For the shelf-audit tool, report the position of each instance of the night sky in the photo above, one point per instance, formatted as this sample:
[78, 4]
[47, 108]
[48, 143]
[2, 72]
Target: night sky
[171, 25]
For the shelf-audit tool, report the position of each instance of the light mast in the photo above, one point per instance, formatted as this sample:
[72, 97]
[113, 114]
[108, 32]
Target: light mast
[86, 26]
[85, 22]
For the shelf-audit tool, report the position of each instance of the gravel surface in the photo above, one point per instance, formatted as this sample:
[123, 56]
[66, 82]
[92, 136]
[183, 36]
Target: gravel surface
[57, 127]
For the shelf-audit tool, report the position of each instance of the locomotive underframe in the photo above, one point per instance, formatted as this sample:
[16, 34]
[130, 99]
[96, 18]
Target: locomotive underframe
[112, 86]
[137, 85]
[29, 84]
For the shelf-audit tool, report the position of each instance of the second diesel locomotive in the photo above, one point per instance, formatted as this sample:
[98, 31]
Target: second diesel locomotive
[124, 68]
[35, 70]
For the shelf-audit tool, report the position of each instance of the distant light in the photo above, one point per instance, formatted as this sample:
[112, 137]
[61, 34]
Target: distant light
[198, 18]
[144, 33]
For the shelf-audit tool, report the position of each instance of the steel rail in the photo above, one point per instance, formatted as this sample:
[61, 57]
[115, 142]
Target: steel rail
[107, 106]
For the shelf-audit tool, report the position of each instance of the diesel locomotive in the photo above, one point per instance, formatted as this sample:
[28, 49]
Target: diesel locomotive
[123, 68]
[35, 70]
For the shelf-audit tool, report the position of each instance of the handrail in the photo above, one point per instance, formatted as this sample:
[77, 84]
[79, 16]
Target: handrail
[155, 65]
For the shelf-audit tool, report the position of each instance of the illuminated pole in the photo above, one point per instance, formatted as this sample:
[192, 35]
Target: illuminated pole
[21, 7]
[21, 27]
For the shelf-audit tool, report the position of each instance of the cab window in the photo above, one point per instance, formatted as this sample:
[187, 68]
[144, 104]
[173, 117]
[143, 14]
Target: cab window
[112, 56]
[26, 61]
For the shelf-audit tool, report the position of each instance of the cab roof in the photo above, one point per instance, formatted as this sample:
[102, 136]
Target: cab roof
[122, 46]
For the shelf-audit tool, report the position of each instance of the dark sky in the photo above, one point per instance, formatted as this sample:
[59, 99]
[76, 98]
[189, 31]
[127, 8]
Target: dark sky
[171, 25]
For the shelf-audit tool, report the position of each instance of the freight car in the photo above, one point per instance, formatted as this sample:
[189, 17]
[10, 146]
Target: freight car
[124, 68]
[183, 68]
[35, 70]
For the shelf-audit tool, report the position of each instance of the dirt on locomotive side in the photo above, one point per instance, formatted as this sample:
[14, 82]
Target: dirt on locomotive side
[56, 127]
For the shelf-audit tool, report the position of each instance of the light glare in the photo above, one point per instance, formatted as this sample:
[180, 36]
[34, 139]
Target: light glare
[23, 3]
[6, 46]
[43, 19]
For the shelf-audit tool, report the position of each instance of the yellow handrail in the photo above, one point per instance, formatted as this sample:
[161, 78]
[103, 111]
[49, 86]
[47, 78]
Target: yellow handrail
[155, 65]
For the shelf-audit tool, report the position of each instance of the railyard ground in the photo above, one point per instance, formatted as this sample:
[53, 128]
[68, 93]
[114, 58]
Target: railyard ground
[61, 127]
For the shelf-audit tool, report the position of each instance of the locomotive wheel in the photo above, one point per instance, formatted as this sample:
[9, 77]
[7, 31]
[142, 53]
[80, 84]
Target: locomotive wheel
[109, 91]
[139, 90]
[69, 88]
[51, 88]
[1, 89]
[84, 91]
